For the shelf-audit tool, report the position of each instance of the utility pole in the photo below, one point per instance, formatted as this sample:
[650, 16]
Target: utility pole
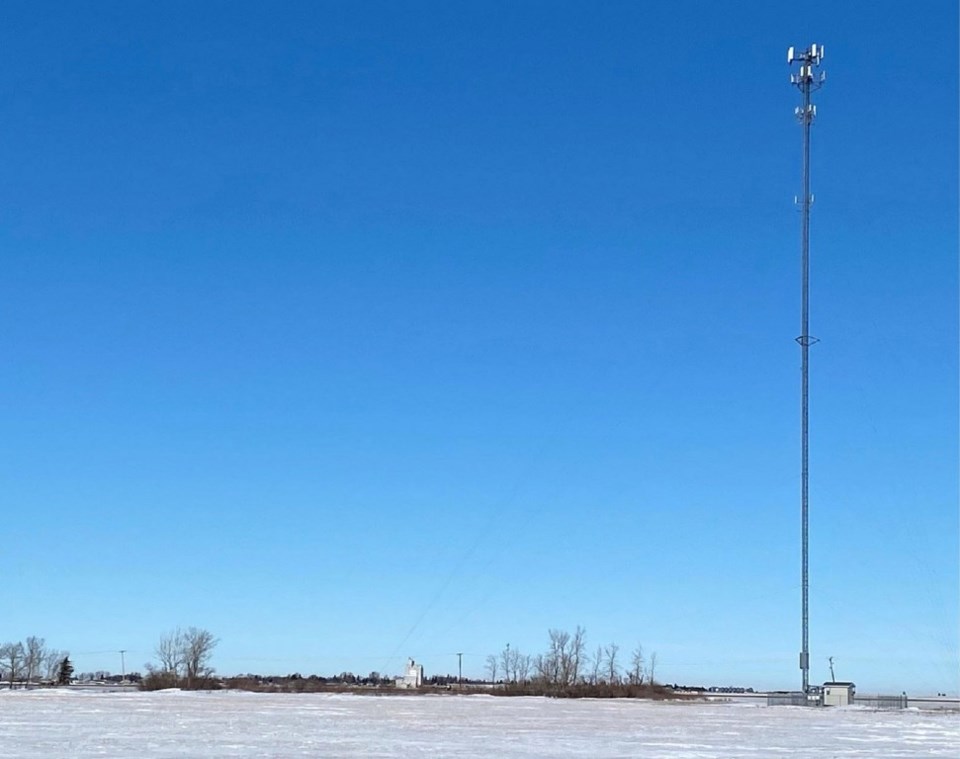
[460, 670]
[807, 82]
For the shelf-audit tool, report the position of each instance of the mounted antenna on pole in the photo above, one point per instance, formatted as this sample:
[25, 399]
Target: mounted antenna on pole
[807, 81]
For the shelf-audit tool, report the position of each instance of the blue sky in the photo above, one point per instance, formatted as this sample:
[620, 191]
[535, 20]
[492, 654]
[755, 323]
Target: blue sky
[352, 331]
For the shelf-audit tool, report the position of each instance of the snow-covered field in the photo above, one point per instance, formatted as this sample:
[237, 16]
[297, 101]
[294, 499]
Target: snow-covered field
[58, 723]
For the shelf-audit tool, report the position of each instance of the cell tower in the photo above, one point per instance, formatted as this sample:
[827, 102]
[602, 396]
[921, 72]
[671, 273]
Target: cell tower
[807, 81]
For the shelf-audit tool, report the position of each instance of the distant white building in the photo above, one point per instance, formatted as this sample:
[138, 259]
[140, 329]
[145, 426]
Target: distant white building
[838, 694]
[412, 676]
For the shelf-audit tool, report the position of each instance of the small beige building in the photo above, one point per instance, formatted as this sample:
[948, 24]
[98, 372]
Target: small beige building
[412, 676]
[838, 694]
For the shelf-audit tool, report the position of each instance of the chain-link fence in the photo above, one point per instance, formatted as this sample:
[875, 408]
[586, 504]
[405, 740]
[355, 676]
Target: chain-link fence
[882, 702]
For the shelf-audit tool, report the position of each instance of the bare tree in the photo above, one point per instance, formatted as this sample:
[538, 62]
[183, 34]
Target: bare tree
[511, 662]
[34, 654]
[51, 663]
[563, 662]
[541, 668]
[556, 661]
[506, 662]
[636, 665]
[197, 649]
[523, 663]
[185, 654]
[597, 666]
[11, 657]
[169, 653]
[492, 667]
[612, 666]
[651, 669]
[578, 654]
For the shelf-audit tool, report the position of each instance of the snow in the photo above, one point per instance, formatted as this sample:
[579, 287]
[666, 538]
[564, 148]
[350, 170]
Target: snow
[64, 723]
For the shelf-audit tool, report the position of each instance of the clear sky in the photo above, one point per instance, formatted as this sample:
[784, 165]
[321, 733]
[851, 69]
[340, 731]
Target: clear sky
[353, 331]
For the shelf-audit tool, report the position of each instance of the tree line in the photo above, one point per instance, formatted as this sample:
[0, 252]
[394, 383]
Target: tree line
[183, 660]
[31, 661]
[568, 668]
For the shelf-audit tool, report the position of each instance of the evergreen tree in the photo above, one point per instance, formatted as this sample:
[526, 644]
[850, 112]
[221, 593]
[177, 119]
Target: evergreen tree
[66, 672]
